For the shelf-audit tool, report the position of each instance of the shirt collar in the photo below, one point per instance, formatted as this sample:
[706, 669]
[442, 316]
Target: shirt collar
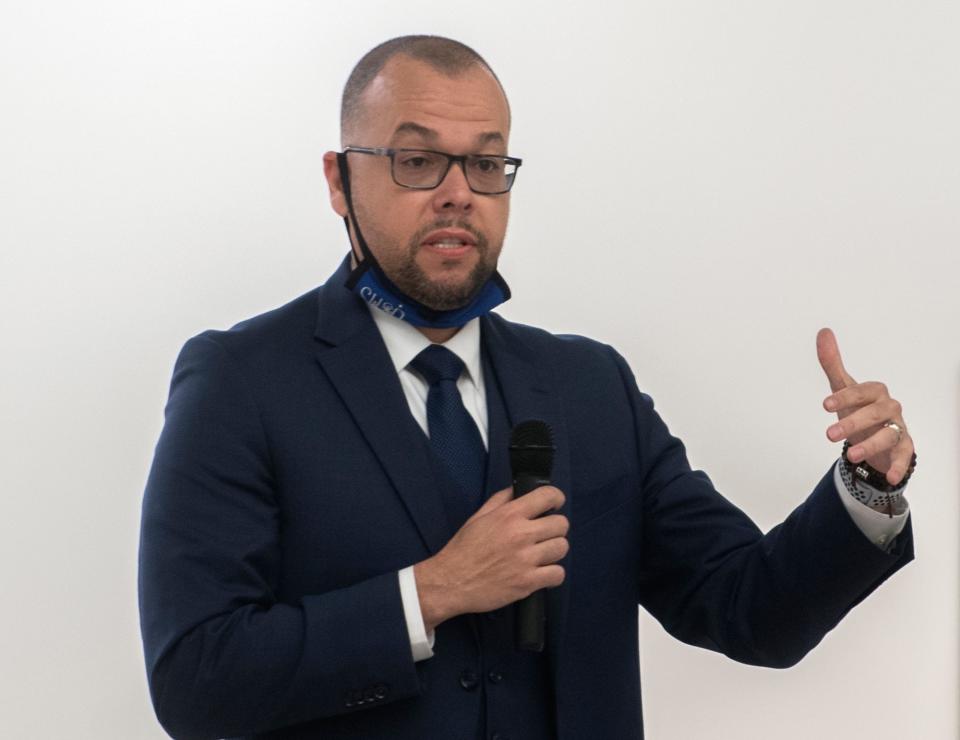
[404, 342]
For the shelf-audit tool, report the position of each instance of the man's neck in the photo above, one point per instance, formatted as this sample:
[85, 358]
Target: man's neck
[437, 336]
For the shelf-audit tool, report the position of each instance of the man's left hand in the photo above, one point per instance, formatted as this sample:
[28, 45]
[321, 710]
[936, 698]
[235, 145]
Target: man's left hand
[862, 410]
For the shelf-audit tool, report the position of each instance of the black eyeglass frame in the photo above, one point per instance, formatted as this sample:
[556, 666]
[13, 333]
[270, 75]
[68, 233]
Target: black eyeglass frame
[460, 159]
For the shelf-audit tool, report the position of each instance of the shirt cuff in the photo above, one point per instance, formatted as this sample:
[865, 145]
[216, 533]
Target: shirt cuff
[878, 527]
[421, 643]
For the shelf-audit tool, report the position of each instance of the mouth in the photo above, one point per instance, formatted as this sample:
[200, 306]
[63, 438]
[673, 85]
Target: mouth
[450, 241]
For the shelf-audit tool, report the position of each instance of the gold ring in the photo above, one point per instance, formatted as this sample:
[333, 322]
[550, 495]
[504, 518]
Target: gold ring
[895, 427]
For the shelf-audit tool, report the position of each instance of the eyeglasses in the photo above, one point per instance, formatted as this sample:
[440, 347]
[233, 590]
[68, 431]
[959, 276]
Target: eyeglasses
[423, 169]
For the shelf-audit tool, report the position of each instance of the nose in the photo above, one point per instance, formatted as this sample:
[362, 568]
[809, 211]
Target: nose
[453, 194]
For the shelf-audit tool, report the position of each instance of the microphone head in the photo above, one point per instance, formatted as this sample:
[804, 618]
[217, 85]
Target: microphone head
[531, 448]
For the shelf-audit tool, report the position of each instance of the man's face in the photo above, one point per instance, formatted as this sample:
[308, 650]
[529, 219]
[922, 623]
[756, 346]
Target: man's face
[438, 246]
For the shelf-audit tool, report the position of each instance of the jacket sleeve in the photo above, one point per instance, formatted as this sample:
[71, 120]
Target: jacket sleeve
[714, 580]
[224, 656]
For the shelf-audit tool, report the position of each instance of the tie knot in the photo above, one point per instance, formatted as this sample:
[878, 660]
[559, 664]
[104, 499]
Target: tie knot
[437, 363]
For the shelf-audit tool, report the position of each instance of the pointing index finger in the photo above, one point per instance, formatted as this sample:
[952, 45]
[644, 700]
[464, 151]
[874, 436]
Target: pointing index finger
[829, 355]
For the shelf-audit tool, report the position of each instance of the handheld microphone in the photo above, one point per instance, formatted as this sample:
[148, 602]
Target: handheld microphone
[531, 460]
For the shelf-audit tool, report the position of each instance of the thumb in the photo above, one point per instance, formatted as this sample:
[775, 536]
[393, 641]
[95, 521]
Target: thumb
[495, 501]
[829, 355]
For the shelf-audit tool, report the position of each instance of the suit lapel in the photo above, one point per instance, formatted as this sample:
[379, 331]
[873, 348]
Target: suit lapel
[352, 355]
[529, 392]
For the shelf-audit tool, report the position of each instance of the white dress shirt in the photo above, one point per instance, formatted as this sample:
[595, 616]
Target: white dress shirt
[404, 342]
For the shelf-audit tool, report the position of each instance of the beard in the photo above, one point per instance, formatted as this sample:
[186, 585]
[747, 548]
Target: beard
[400, 265]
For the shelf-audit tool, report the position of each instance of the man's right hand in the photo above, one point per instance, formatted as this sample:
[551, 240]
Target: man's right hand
[504, 552]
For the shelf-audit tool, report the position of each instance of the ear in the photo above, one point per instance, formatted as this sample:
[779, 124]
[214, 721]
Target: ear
[331, 169]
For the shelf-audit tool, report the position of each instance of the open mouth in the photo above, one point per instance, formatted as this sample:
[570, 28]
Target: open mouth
[449, 240]
[447, 244]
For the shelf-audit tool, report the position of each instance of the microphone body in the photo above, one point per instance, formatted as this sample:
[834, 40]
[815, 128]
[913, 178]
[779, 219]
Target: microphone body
[531, 460]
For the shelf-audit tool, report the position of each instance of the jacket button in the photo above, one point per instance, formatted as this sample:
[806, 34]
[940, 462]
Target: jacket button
[494, 677]
[380, 691]
[469, 680]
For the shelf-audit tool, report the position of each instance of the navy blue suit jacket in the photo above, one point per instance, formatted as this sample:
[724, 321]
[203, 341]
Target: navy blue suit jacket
[289, 487]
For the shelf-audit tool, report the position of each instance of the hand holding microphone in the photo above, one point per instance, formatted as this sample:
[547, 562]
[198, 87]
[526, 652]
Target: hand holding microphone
[506, 551]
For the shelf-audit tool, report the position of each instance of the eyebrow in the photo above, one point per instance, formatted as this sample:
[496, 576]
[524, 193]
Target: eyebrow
[409, 127]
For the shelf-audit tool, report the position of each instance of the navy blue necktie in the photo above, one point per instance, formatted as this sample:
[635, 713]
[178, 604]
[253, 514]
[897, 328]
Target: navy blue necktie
[454, 436]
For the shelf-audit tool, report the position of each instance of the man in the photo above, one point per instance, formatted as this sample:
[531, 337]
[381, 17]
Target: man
[330, 546]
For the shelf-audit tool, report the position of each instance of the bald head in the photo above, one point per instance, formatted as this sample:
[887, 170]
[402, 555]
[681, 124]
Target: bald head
[446, 56]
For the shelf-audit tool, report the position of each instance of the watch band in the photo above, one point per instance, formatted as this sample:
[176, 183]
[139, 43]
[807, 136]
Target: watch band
[869, 486]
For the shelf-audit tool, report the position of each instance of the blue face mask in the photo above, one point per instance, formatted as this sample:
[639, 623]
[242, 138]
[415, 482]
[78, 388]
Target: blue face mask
[369, 281]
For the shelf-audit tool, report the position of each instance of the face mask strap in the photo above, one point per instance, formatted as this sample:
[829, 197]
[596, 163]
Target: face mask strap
[365, 258]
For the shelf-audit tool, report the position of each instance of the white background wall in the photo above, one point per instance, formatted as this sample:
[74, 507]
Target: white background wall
[705, 185]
